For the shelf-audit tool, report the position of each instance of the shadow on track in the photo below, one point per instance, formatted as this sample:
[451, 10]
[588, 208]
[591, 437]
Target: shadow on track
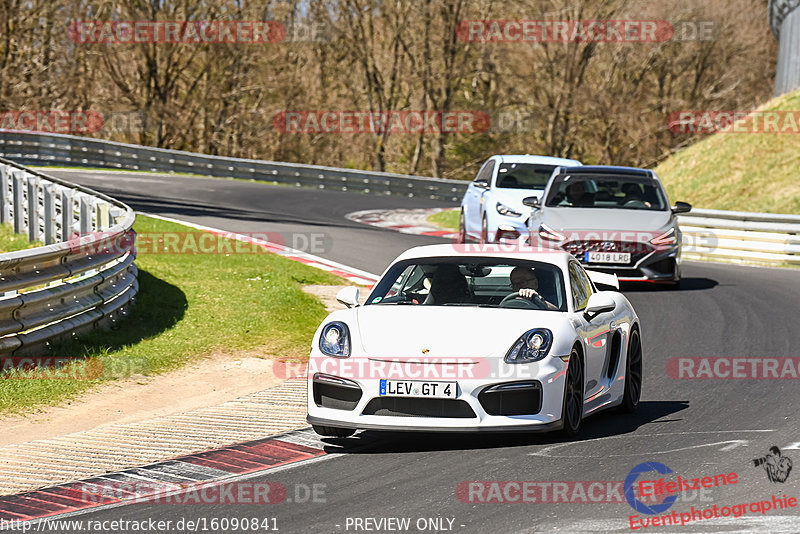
[602, 425]
[177, 208]
[159, 306]
[687, 284]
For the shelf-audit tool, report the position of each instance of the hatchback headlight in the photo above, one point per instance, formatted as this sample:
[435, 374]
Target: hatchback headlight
[335, 340]
[502, 209]
[545, 232]
[667, 238]
[532, 346]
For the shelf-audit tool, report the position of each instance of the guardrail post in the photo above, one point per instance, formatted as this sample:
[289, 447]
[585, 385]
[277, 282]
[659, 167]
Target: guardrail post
[4, 197]
[101, 216]
[33, 209]
[19, 217]
[49, 215]
[67, 215]
[114, 215]
[84, 217]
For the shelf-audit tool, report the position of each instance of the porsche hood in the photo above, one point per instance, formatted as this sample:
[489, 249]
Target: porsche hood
[414, 331]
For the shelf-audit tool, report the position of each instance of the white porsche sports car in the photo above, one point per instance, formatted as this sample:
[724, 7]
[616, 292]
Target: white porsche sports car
[475, 338]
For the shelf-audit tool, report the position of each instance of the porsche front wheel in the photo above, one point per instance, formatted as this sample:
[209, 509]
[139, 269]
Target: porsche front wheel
[572, 409]
[633, 373]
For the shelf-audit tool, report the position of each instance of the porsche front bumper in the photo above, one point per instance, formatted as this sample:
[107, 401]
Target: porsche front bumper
[520, 397]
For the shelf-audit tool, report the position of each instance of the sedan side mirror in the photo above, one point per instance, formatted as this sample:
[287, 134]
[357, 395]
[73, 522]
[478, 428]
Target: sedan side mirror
[348, 296]
[682, 207]
[531, 202]
[481, 184]
[599, 303]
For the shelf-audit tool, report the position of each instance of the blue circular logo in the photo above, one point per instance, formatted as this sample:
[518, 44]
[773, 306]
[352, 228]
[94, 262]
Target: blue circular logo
[630, 482]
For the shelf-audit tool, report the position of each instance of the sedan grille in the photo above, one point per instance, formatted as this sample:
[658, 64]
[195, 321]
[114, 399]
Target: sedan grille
[637, 249]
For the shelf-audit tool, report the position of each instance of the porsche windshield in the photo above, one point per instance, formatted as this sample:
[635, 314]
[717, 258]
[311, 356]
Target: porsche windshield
[472, 282]
[602, 191]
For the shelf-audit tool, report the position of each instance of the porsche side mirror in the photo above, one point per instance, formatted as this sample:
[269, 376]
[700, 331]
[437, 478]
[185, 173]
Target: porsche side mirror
[682, 207]
[531, 202]
[481, 184]
[348, 296]
[599, 303]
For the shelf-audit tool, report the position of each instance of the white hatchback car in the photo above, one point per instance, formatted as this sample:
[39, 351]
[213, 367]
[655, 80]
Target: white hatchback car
[456, 339]
[492, 209]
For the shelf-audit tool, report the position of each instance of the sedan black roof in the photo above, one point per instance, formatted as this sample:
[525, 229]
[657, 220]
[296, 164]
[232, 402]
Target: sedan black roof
[606, 169]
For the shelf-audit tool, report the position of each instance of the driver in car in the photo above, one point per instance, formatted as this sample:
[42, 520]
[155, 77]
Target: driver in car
[578, 196]
[525, 282]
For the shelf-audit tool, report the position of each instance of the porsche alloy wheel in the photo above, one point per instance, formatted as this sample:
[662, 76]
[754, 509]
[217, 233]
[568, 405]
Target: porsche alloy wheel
[633, 373]
[572, 411]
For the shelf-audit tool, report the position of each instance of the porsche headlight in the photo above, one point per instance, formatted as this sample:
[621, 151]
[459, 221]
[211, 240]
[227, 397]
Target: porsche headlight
[532, 346]
[502, 209]
[335, 340]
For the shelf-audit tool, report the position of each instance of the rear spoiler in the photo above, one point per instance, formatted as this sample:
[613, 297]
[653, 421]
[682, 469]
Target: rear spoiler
[604, 279]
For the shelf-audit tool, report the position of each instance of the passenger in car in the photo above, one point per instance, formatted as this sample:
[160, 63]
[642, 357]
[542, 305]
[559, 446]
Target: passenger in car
[577, 195]
[525, 282]
[448, 286]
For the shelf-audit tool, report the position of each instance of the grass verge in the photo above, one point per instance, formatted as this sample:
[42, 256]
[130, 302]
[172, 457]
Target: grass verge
[188, 306]
[447, 219]
[10, 242]
[739, 171]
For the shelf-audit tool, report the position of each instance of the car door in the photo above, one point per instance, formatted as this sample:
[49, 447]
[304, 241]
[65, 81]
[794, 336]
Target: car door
[594, 332]
[473, 197]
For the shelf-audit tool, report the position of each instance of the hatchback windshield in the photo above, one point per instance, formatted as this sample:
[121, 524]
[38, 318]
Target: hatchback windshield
[476, 282]
[602, 191]
[523, 175]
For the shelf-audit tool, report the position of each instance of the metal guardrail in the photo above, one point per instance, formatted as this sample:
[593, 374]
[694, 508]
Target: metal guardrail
[742, 237]
[708, 234]
[84, 277]
[36, 148]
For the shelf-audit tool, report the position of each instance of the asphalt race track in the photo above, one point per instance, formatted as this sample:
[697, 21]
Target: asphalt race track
[696, 427]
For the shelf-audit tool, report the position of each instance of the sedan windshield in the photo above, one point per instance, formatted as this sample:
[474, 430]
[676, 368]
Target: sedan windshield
[476, 282]
[523, 175]
[603, 191]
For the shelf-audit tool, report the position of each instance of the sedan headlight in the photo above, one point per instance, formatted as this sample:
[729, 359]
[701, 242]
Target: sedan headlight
[532, 346]
[545, 232]
[335, 340]
[502, 209]
[667, 238]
